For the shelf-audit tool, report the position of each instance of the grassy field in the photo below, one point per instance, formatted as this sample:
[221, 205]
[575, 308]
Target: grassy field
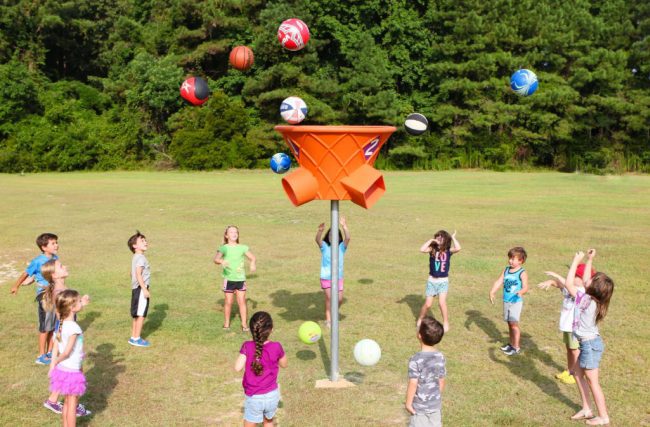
[186, 377]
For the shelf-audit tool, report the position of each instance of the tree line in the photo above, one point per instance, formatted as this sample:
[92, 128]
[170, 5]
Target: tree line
[94, 84]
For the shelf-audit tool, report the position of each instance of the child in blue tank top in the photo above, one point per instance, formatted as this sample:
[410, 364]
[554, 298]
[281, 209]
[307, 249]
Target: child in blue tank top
[440, 250]
[514, 280]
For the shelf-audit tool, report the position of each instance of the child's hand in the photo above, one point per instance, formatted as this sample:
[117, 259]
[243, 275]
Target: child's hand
[521, 293]
[253, 267]
[546, 285]
[492, 298]
[85, 300]
[224, 263]
[342, 221]
[14, 290]
[146, 293]
[410, 409]
[578, 256]
[591, 253]
[321, 227]
[453, 235]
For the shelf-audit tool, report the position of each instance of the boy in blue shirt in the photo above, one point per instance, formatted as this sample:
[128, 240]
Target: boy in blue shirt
[49, 246]
[515, 284]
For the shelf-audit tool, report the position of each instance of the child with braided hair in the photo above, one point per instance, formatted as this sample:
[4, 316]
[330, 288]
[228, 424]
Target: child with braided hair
[66, 376]
[261, 360]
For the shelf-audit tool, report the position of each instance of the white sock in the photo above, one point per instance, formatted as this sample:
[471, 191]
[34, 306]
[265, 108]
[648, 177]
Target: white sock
[135, 339]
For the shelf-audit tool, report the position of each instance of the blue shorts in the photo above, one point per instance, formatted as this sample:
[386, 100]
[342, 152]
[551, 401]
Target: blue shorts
[260, 406]
[590, 353]
[436, 286]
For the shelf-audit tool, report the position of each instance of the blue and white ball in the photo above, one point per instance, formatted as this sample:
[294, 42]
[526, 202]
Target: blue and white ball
[293, 110]
[523, 82]
[280, 163]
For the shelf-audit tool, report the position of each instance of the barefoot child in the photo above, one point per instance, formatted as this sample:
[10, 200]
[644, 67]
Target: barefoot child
[230, 256]
[440, 251]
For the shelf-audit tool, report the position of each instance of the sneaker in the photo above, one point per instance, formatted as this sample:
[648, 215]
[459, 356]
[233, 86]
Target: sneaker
[569, 379]
[55, 407]
[139, 342]
[48, 355]
[512, 351]
[42, 360]
[82, 411]
[562, 374]
[506, 347]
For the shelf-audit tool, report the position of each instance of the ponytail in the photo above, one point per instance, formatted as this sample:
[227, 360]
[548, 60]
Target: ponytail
[261, 325]
[47, 271]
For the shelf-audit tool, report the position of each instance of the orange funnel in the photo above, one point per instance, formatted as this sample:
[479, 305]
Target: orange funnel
[335, 163]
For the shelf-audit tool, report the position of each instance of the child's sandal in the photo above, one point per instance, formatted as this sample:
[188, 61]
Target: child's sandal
[597, 421]
[582, 415]
[244, 329]
[226, 328]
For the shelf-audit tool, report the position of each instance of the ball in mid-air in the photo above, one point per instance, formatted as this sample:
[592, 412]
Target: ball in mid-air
[241, 58]
[309, 332]
[416, 124]
[523, 82]
[293, 110]
[280, 163]
[293, 34]
[367, 352]
[195, 90]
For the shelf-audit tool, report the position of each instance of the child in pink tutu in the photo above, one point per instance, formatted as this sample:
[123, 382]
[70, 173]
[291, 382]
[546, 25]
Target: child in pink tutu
[55, 273]
[66, 376]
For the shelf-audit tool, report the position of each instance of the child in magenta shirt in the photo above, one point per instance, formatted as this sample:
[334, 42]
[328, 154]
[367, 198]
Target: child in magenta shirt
[261, 359]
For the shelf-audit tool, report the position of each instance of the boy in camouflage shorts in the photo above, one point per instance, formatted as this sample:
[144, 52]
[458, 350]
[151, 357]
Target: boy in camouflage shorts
[426, 377]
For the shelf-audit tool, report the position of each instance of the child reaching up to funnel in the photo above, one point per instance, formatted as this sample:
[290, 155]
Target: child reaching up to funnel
[440, 251]
[230, 256]
[326, 263]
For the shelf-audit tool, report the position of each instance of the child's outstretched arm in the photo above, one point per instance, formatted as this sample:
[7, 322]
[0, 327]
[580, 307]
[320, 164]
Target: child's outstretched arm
[346, 232]
[557, 281]
[456, 247]
[411, 388]
[319, 234]
[240, 362]
[252, 259]
[495, 287]
[571, 275]
[21, 280]
[586, 275]
[426, 246]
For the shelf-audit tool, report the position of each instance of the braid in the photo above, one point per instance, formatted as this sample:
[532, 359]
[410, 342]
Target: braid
[261, 325]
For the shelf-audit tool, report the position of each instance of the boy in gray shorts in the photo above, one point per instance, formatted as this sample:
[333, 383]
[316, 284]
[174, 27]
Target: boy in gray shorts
[427, 374]
[515, 284]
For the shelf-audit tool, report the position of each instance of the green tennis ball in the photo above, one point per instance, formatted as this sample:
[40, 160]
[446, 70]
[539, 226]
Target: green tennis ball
[309, 332]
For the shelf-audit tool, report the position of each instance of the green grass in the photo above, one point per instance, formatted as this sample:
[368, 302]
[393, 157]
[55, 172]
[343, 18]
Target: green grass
[186, 377]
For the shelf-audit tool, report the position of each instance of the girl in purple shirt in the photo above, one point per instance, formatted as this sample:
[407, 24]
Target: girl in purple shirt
[261, 360]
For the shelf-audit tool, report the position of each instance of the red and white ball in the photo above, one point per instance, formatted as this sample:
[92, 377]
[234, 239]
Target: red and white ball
[293, 34]
[293, 110]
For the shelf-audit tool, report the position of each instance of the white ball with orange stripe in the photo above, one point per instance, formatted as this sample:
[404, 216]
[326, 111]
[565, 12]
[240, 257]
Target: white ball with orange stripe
[293, 110]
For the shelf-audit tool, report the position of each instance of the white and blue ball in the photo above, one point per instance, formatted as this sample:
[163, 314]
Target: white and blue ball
[523, 82]
[293, 110]
[367, 352]
[416, 124]
[280, 163]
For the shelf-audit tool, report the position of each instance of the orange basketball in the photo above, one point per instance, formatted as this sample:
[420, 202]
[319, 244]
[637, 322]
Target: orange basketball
[241, 57]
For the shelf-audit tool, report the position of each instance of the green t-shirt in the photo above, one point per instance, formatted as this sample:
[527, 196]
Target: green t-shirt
[234, 255]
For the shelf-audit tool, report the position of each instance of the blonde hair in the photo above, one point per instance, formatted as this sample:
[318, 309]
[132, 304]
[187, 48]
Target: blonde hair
[47, 271]
[64, 303]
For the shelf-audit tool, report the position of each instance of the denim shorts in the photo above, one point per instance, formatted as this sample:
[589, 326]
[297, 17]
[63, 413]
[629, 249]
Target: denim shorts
[260, 406]
[590, 353]
[437, 286]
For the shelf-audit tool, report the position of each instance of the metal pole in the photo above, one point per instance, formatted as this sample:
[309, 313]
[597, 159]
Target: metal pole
[334, 309]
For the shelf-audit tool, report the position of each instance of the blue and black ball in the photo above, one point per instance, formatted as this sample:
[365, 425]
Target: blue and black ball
[523, 82]
[280, 163]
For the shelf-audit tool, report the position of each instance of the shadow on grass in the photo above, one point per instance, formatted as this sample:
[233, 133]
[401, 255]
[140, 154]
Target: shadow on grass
[325, 357]
[522, 365]
[88, 319]
[304, 306]
[101, 379]
[415, 302]
[306, 355]
[154, 319]
[365, 281]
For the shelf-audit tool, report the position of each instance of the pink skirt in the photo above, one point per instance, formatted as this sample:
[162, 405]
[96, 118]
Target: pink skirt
[66, 382]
